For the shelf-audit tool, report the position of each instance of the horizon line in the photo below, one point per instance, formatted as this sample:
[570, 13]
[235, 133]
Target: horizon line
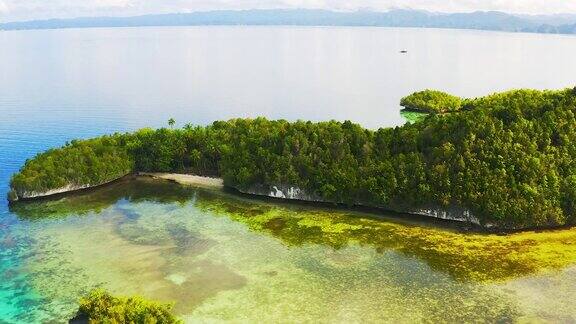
[342, 11]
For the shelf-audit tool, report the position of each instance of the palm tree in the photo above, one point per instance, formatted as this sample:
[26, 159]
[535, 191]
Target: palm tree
[171, 122]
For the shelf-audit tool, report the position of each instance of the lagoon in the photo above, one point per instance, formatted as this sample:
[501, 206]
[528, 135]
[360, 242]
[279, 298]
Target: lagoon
[220, 256]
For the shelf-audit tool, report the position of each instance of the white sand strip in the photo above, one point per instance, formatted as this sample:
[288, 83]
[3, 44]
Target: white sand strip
[187, 179]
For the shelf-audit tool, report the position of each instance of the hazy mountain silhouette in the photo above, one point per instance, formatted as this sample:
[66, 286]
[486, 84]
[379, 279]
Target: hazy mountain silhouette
[481, 20]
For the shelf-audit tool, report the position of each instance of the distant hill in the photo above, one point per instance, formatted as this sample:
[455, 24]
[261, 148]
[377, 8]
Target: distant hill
[480, 20]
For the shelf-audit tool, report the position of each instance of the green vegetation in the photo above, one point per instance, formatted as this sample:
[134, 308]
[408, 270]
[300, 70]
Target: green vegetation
[432, 101]
[508, 158]
[101, 307]
[79, 163]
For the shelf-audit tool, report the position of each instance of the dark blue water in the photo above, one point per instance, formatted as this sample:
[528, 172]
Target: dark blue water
[58, 85]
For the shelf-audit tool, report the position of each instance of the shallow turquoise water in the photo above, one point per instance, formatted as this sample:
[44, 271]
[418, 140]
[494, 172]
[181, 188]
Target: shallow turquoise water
[220, 257]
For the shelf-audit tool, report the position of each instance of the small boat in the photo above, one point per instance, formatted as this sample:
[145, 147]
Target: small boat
[403, 51]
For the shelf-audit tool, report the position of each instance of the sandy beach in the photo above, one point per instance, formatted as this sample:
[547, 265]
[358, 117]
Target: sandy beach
[187, 179]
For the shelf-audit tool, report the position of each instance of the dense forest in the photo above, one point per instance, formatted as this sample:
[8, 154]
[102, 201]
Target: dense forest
[79, 163]
[508, 158]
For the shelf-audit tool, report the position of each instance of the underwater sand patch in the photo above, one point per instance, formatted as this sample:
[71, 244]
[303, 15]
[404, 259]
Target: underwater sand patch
[546, 297]
[197, 281]
[100, 258]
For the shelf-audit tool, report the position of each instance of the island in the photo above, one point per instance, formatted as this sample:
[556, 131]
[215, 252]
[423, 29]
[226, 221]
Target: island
[504, 161]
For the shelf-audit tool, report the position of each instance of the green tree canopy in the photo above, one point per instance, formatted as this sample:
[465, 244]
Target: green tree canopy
[431, 101]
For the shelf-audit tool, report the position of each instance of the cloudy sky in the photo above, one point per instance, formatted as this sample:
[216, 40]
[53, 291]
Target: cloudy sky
[12, 10]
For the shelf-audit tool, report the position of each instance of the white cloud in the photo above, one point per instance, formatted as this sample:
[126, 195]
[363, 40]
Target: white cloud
[37, 9]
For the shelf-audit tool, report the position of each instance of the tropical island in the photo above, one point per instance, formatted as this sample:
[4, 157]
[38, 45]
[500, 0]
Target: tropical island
[503, 161]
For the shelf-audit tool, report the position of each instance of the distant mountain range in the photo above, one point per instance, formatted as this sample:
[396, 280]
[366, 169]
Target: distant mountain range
[480, 20]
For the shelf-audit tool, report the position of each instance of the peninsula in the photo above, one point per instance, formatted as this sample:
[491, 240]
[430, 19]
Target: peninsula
[503, 161]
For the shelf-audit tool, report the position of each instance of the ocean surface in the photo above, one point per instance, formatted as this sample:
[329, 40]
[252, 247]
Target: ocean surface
[221, 257]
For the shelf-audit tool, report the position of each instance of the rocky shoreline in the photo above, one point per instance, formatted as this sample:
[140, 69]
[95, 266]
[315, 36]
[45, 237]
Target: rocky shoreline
[273, 191]
[14, 196]
[452, 213]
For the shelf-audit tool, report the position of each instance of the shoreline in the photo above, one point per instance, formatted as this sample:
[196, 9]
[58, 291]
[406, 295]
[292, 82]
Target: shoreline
[215, 183]
[186, 179]
[180, 178]
[369, 211]
[63, 191]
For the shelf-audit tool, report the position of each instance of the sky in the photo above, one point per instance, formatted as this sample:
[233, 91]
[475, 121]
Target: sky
[15, 10]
